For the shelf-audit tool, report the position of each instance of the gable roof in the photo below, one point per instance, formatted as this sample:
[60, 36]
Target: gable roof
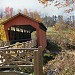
[41, 25]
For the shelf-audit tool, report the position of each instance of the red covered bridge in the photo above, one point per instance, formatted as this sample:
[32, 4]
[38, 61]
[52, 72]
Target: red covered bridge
[23, 27]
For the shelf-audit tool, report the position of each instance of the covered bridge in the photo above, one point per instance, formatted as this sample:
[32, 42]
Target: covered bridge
[19, 28]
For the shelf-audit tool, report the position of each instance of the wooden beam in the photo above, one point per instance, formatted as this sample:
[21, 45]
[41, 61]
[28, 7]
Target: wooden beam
[31, 49]
[14, 66]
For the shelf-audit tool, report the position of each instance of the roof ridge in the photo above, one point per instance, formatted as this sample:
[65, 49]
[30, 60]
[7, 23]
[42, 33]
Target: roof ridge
[18, 15]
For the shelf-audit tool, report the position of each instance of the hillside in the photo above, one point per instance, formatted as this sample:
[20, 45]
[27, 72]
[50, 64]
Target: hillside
[62, 63]
[61, 37]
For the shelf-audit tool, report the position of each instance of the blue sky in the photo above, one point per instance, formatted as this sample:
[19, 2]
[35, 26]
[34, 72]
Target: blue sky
[32, 5]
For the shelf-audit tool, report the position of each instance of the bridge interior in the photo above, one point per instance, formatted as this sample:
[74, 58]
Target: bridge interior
[20, 33]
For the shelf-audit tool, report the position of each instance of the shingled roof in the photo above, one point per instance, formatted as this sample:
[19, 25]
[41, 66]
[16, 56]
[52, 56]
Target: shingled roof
[41, 25]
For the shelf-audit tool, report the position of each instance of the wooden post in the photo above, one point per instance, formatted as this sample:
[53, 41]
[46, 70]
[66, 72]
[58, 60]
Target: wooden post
[9, 32]
[19, 33]
[23, 34]
[36, 71]
[15, 34]
[38, 62]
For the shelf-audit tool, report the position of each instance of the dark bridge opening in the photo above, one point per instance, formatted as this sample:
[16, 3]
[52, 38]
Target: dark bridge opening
[20, 33]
